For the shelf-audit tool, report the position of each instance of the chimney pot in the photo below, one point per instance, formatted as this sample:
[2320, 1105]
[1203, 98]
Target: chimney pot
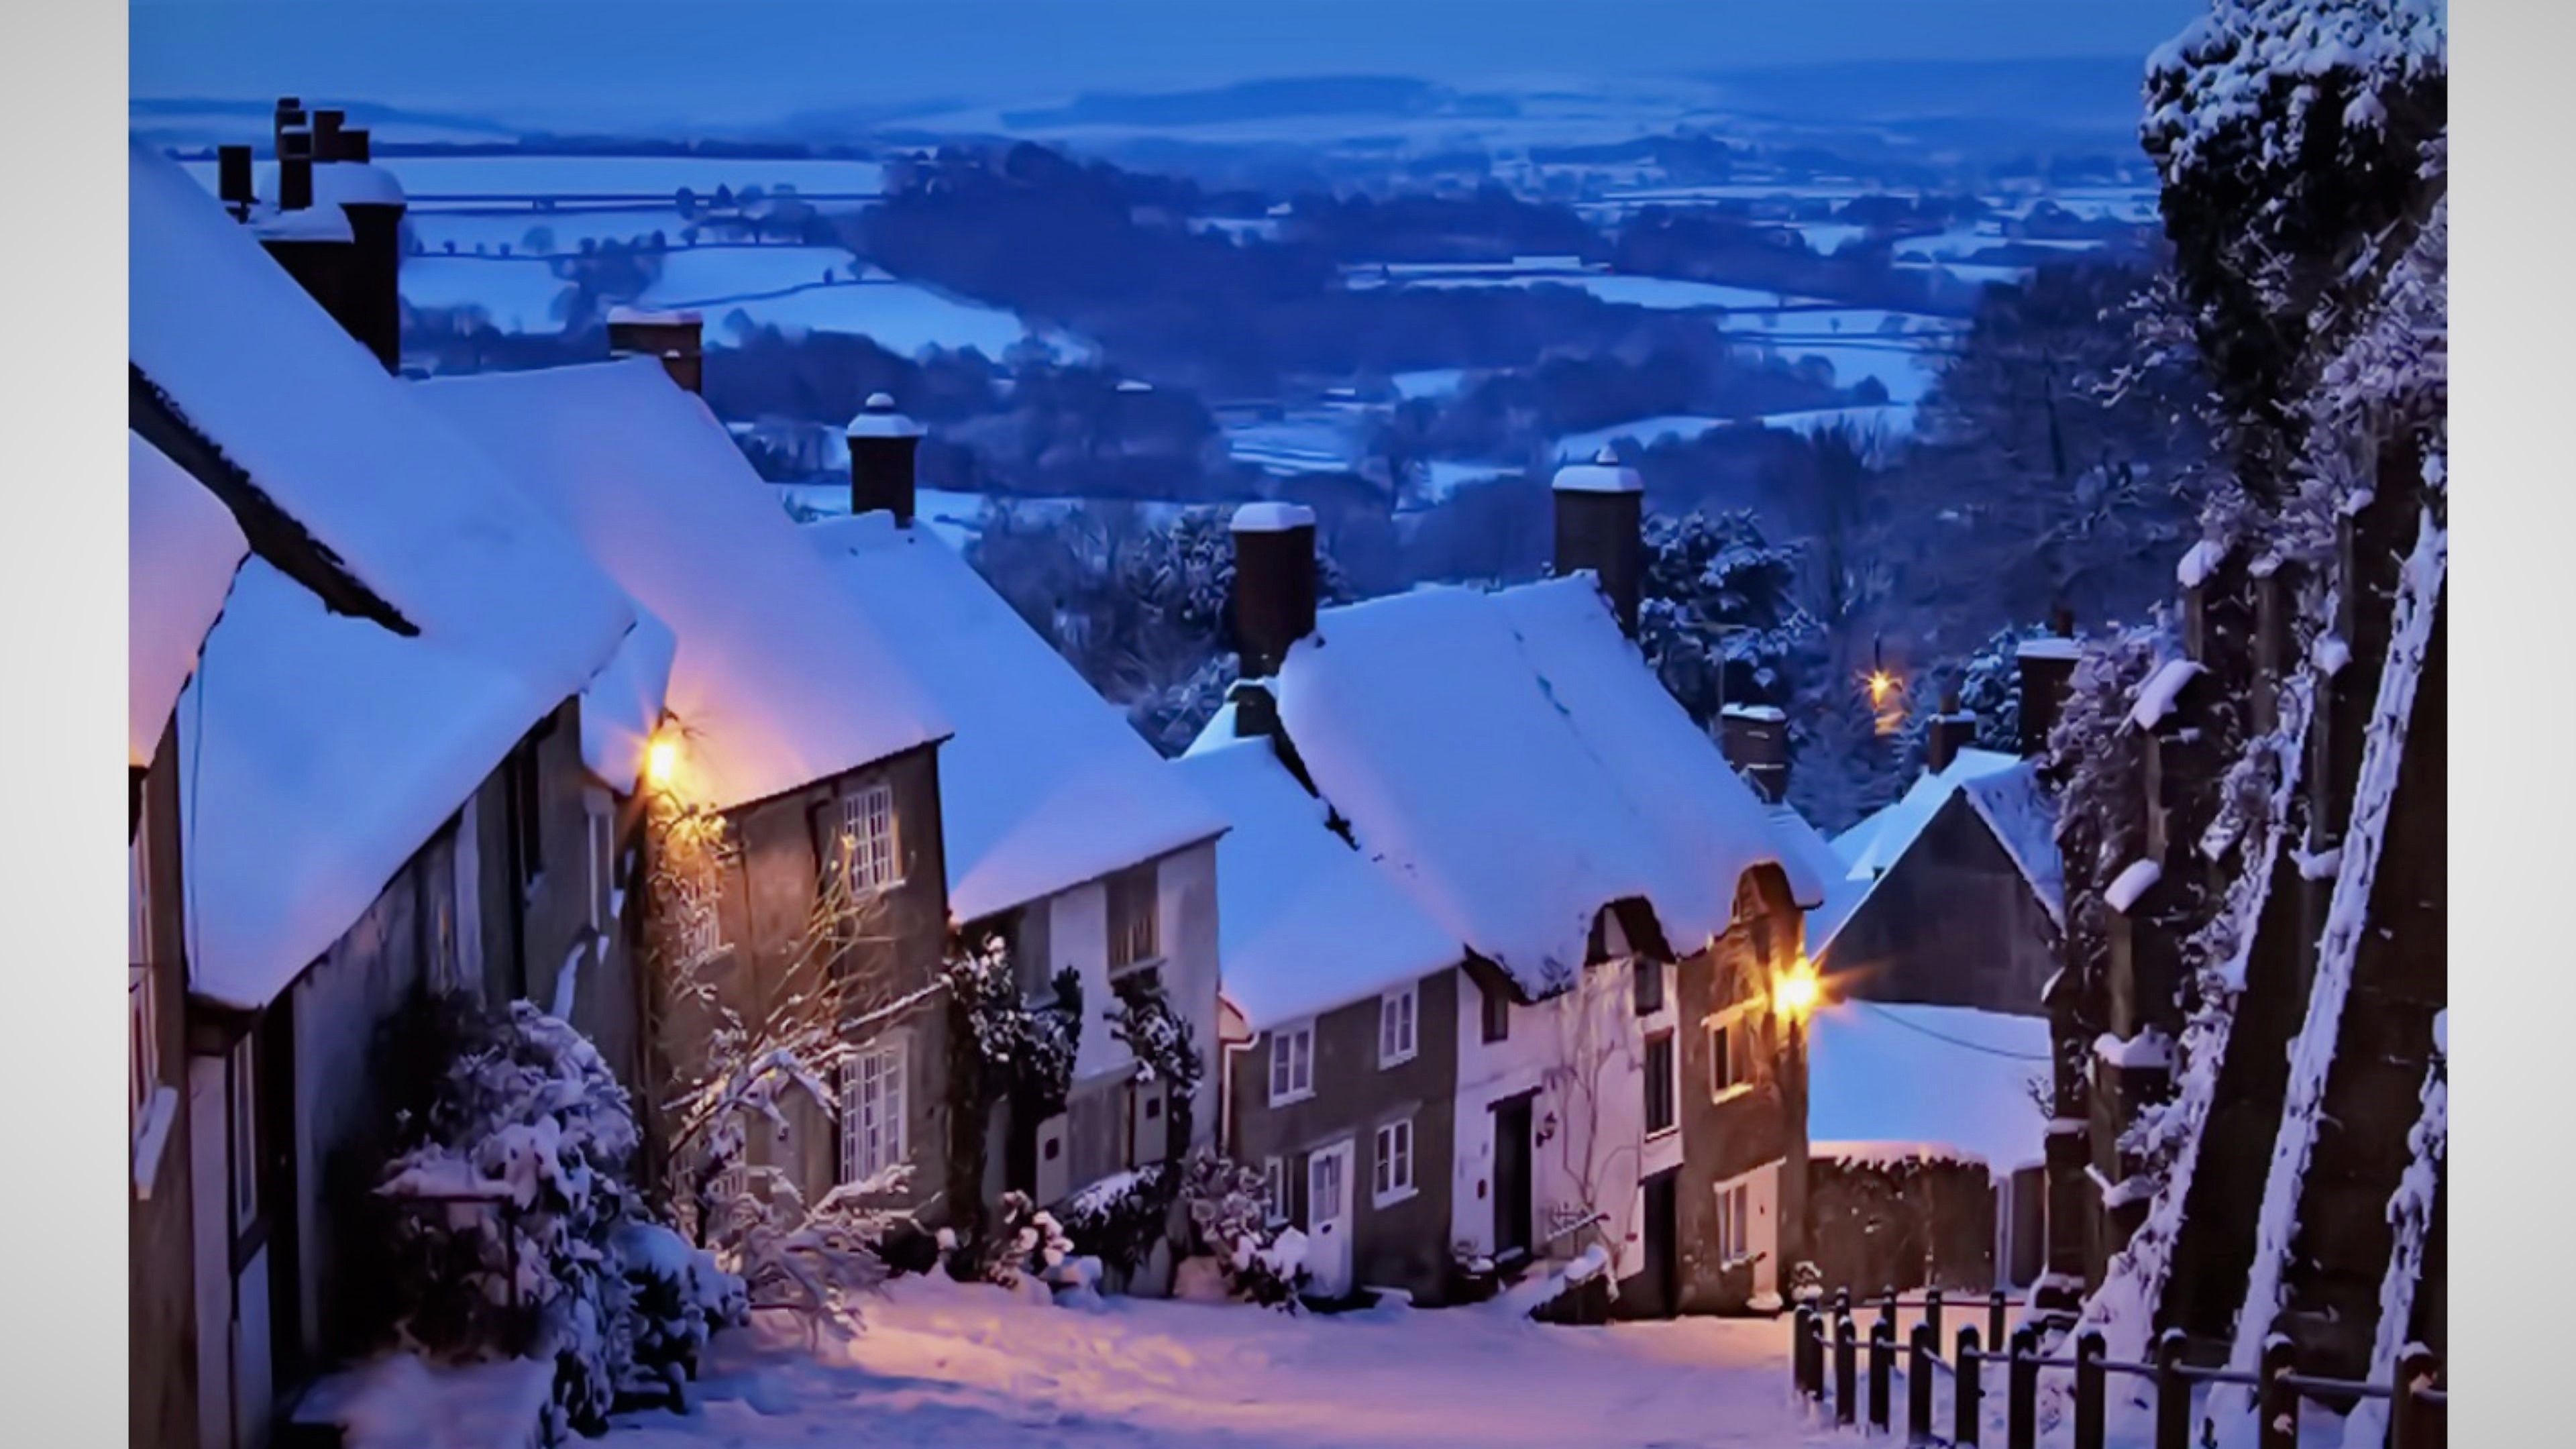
[2046, 666]
[884, 451]
[232, 179]
[1755, 740]
[358, 144]
[294, 170]
[672, 337]
[1953, 730]
[326, 134]
[1274, 583]
[1600, 517]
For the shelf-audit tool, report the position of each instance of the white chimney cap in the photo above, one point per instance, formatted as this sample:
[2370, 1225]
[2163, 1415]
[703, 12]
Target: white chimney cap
[1272, 517]
[629, 316]
[1602, 475]
[355, 183]
[306, 224]
[1134, 384]
[878, 419]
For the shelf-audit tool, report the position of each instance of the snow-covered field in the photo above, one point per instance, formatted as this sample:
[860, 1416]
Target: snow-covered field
[524, 175]
[943, 1364]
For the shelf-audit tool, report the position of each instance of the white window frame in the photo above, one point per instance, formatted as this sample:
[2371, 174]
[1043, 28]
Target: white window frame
[1723, 1083]
[1672, 1079]
[1292, 1047]
[871, 858]
[142, 1045]
[1399, 1025]
[1391, 1163]
[241, 1116]
[874, 1101]
[1136, 942]
[1274, 1190]
[1734, 1221]
[600, 823]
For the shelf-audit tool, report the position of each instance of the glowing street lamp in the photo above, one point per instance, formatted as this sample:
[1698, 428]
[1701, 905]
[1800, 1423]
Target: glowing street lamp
[1796, 992]
[661, 759]
[1881, 685]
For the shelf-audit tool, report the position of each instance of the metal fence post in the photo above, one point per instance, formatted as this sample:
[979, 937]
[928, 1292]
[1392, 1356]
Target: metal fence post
[1842, 1303]
[1967, 1389]
[1918, 1384]
[1932, 1310]
[1816, 1359]
[1996, 1304]
[1887, 1310]
[1882, 1362]
[2089, 1348]
[2410, 1418]
[2173, 1393]
[2276, 1404]
[1798, 1349]
[1846, 1371]
[2021, 1390]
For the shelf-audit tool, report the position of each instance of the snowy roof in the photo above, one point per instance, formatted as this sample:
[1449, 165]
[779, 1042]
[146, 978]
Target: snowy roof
[354, 183]
[1602, 475]
[1929, 1076]
[623, 705]
[181, 548]
[1514, 764]
[1304, 922]
[308, 414]
[2052, 646]
[627, 314]
[774, 684]
[1768, 713]
[1268, 517]
[2005, 792]
[317, 753]
[1044, 785]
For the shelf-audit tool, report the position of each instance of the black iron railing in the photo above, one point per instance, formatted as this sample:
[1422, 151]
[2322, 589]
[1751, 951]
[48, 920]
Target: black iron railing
[2419, 1402]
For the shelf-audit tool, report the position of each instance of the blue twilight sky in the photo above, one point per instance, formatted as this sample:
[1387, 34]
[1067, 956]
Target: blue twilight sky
[621, 61]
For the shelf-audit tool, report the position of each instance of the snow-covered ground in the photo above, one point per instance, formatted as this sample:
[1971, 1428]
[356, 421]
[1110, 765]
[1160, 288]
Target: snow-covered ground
[944, 1364]
[536, 175]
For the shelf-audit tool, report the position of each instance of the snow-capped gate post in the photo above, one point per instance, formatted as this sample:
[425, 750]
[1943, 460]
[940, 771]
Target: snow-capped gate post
[2276, 1405]
[1846, 1370]
[2089, 1346]
[1920, 1350]
[1798, 1372]
[1882, 1363]
[2021, 1401]
[1967, 1389]
[2173, 1393]
[2411, 1418]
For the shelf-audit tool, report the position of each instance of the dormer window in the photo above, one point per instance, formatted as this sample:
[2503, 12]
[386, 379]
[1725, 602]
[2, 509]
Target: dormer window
[1135, 930]
[868, 844]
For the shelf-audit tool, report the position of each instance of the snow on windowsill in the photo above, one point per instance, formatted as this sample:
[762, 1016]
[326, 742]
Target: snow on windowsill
[152, 1139]
[1740, 1089]
[1387, 1200]
[1388, 1064]
[1293, 1098]
[2149, 1049]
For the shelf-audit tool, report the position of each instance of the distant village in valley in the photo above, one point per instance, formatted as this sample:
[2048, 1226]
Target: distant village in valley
[665, 818]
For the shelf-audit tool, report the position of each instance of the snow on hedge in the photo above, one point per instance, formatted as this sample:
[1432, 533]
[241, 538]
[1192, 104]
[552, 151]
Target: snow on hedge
[2347, 918]
[1043, 784]
[1512, 761]
[1908, 1078]
[1304, 922]
[775, 680]
[181, 548]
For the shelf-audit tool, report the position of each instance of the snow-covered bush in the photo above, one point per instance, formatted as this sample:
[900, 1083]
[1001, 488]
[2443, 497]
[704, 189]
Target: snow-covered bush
[1158, 1036]
[680, 1298]
[1120, 1218]
[518, 1211]
[1231, 1223]
[1009, 1061]
[1026, 1244]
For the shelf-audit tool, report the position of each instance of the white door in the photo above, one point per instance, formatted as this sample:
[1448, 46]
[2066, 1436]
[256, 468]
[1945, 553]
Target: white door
[1763, 1196]
[1328, 1220]
[210, 1169]
[251, 1386]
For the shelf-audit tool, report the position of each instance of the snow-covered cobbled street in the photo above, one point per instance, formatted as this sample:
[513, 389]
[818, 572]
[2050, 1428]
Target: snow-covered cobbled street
[946, 1364]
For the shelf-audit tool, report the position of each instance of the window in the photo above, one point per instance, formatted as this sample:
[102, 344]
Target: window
[601, 857]
[1498, 1015]
[701, 927]
[142, 1045]
[868, 839]
[1660, 1107]
[242, 1108]
[1398, 1027]
[1733, 1050]
[872, 1127]
[1274, 1190]
[1135, 933]
[1734, 1225]
[1393, 1179]
[1292, 1063]
[1055, 1160]
[1650, 985]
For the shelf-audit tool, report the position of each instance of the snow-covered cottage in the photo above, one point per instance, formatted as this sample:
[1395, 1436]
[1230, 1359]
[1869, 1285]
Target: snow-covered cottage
[382, 780]
[799, 740]
[1627, 1079]
[1352, 994]
[182, 549]
[1067, 837]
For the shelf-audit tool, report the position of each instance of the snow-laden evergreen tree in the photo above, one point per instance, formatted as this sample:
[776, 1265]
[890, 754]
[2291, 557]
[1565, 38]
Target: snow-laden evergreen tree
[515, 1217]
[1229, 1216]
[1718, 614]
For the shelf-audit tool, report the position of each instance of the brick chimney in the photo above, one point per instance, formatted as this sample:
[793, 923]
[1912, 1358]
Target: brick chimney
[2047, 668]
[672, 337]
[346, 176]
[1600, 512]
[1953, 729]
[1755, 740]
[232, 180]
[1274, 583]
[313, 244]
[885, 447]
